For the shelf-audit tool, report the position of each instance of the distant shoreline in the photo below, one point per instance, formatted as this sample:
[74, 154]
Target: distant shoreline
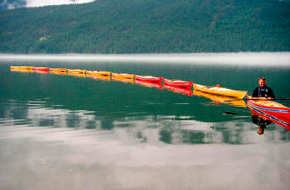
[236, 59]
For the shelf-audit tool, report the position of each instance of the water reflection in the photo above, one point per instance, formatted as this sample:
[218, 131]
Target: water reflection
[144, 129]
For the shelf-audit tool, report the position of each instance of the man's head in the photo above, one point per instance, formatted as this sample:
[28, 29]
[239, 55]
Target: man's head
[262, 82]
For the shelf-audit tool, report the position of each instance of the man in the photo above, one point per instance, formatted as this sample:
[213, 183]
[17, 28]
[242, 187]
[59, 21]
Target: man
[262, 91]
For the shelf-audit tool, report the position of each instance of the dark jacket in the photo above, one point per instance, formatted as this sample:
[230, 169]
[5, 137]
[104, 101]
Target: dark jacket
[266, 92]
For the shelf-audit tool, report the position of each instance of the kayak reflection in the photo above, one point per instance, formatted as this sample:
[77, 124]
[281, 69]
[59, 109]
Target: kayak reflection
[149, 84]
[178, 90]
[261, 121]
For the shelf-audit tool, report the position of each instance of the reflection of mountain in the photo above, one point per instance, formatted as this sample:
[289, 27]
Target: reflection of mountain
[150, 129]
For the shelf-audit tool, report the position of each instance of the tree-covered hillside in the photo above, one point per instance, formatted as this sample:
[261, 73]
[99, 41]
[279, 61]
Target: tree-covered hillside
[142, 26]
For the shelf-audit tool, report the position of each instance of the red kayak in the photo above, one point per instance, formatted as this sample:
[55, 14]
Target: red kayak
[42, 69]
[177, 83]
[271, 110]
[147, 78]
[149, 84]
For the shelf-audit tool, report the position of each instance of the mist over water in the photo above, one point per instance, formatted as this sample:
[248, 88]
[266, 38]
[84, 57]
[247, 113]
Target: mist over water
[13, 4]
[262, 59]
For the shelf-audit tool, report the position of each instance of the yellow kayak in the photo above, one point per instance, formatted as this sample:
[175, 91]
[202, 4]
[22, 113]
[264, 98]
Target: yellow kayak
[123, 77]
[58, 70]
[99, 73]
[82, 75]
[220, 91]
[218, 99]
[104, 75]
[76, 71]
[21, 68]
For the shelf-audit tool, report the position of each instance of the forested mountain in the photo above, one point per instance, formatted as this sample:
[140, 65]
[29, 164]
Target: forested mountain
[143, 26]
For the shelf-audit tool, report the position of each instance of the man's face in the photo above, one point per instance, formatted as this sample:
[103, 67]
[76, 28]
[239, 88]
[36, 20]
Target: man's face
[262, 83]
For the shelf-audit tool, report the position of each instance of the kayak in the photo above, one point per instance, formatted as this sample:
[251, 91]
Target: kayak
[58, 70]
[104, 75]
[221, 99]
[178, 90]
[44, 69]
[123, 76]
[270, 110]
[22, 68]
[149, 84]
[82, 75]
[76, 71]
[177, 83]
[220, 91]
[99, 73]
[147, 78]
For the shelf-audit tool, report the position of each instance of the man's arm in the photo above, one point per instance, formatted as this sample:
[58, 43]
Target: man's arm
[271, 93]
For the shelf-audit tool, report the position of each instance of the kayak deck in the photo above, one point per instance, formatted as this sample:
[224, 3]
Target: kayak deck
[177, 83]
[220, 91]
[148, 78]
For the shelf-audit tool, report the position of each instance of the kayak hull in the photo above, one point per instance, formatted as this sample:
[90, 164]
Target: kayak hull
[220, 91]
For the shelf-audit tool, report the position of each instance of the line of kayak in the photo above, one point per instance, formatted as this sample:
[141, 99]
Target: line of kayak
[269, 110]
[140, 78]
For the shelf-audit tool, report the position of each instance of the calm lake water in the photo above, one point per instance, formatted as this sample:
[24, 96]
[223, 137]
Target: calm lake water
[69, 132]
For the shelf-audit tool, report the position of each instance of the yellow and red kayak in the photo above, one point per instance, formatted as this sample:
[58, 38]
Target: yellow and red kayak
[220, 91]
[271, 110]
[177, 83]
[147, 78]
